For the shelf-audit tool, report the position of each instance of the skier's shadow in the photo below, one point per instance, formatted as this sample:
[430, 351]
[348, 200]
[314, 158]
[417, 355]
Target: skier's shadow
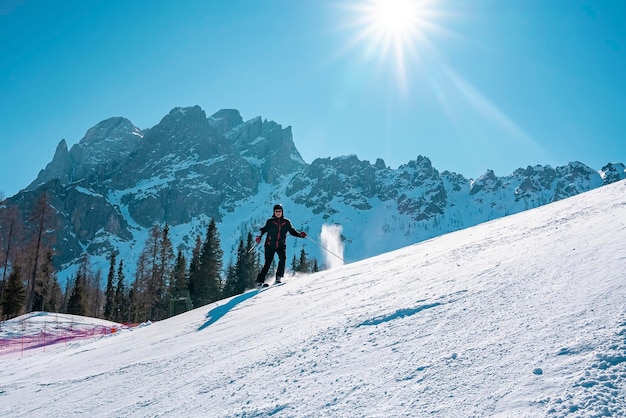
[218, 312]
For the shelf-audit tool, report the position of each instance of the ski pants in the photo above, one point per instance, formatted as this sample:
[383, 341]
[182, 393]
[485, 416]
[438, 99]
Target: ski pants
[269, 257]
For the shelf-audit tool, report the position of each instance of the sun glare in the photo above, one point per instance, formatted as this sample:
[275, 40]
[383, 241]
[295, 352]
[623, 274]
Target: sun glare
[394, 16]
[394, 31]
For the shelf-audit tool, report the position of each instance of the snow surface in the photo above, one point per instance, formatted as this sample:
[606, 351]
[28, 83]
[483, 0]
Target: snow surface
[523, 316]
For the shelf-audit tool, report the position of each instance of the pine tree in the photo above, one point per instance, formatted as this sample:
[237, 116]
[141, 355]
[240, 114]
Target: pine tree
[230, 284]
[180, 299]
[303, 265]
[246, 266]
[45, 280]
[206, 280]
[48, 277]
[122, 308]
[294, 264]
[241, 275]
[14, 294]
[77, 304]
[109, 307]
[179, 278]
[133, 306]
[66, 296]
[194, 268]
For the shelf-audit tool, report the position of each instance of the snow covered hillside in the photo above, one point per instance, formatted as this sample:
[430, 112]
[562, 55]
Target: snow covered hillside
[523, 316]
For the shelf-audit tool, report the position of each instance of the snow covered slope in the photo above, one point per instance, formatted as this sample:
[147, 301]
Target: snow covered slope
[523, 316]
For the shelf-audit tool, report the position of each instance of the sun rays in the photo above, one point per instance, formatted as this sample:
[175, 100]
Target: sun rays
[393, 32]
[402, 47]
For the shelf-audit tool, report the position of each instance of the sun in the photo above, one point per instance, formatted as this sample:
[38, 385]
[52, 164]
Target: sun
[394, 17]
[393, 31]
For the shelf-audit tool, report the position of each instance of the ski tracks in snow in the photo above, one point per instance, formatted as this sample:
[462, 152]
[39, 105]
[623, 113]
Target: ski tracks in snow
[601, 389]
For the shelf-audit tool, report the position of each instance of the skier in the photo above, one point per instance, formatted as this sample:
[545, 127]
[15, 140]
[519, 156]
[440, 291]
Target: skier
[276, 228]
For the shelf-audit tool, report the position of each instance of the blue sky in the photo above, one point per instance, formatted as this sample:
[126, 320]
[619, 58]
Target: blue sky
[473, 85]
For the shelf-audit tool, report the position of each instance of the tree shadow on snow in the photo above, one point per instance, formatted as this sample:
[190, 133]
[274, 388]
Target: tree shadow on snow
[219, 311]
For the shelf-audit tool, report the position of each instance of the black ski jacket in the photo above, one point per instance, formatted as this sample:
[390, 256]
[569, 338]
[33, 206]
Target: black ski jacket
[277, 229]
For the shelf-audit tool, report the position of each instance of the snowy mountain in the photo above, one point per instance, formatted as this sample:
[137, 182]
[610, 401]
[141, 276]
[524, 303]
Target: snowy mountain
[119, 180]
[523, 316]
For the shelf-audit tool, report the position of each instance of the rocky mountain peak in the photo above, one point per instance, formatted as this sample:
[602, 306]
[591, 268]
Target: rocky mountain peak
[380, 164]
[613, 172]
[102, 149]
[112, 129]
[183, 128]
[183, 117]
[59, 168]
[224, 120]
[488, 181]
[267, 145]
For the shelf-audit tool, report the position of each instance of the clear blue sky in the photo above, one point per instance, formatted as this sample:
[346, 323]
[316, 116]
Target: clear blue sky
[473, 85]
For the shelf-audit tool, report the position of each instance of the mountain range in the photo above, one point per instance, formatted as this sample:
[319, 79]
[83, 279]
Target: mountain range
[118, 181]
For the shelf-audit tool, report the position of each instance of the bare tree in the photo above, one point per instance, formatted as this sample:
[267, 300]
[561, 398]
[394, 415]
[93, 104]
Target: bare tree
[95, 296]
[91, 288]
[151, 289]
[41, 217]
[9, 223]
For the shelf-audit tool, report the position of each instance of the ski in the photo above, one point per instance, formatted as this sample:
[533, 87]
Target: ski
[269, 286]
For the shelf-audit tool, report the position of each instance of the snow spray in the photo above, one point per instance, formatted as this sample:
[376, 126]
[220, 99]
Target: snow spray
[331, 241]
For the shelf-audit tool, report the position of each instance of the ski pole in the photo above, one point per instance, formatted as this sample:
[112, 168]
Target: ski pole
[330, 252]
[252, 247]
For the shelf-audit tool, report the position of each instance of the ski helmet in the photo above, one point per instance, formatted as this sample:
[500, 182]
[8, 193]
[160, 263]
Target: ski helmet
[278, 207]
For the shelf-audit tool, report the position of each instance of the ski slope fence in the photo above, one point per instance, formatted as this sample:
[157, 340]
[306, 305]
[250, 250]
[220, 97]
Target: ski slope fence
[43, 339]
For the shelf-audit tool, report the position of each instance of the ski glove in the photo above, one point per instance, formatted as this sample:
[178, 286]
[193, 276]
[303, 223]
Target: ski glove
[303, 234]
[258, 239]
